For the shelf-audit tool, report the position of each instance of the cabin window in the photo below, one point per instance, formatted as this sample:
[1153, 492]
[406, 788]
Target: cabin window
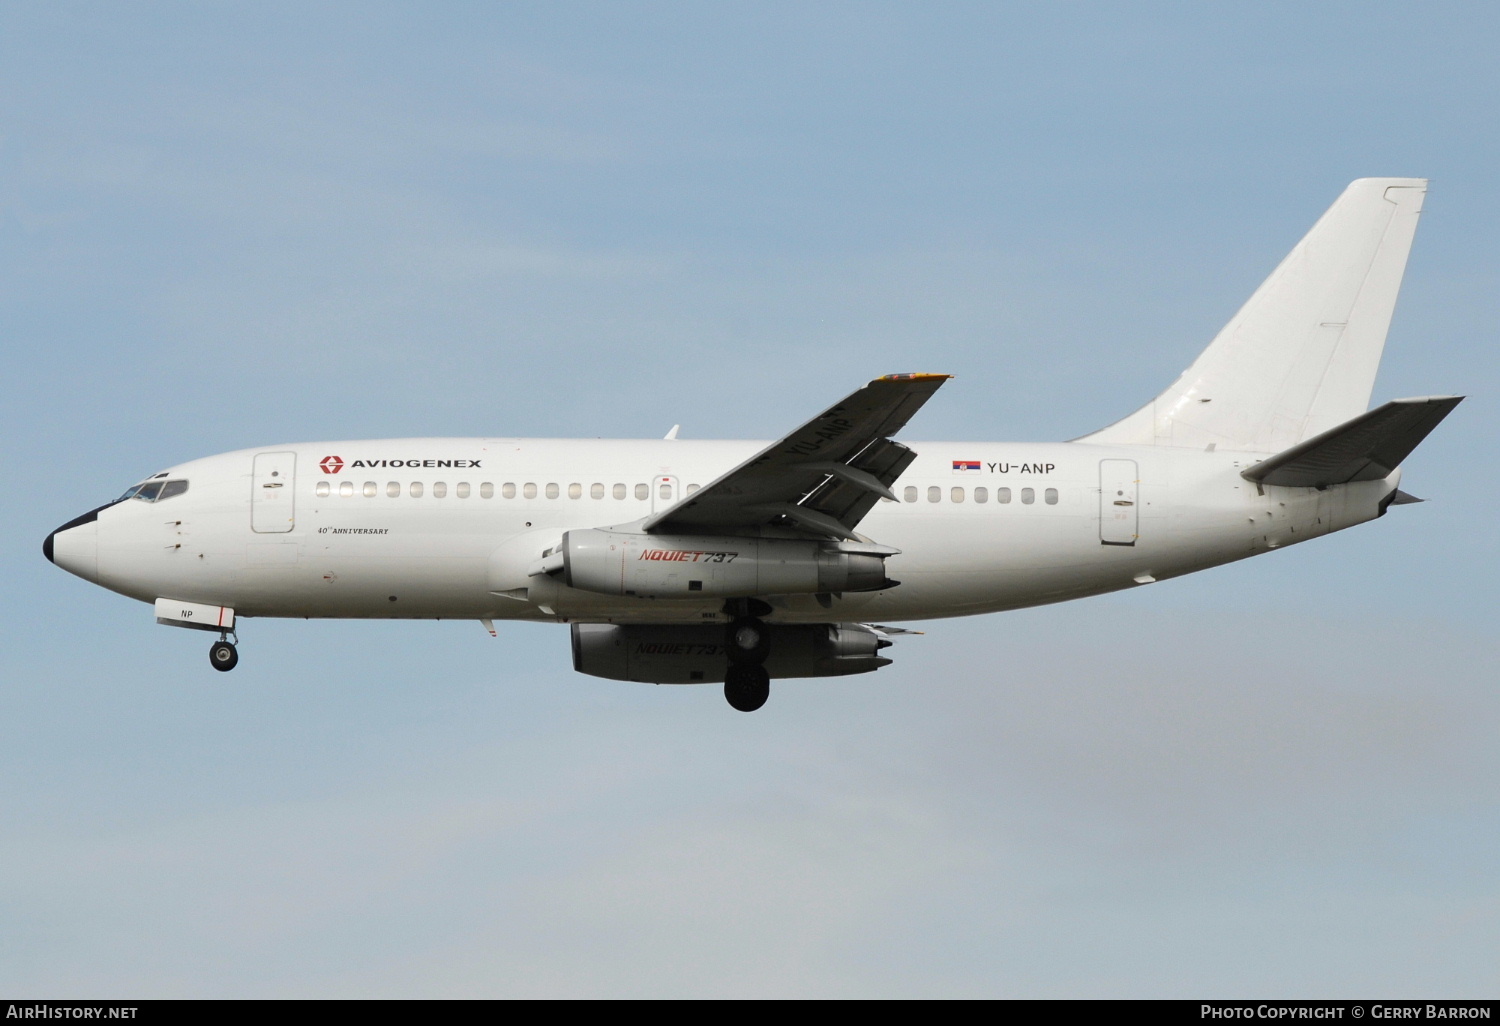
[393, 489]
[370, 489]
[934, 494]
[528, 490]
[575, 491]
[1050, 495]
[1002, 494]
[346, 489]
[956, 494]
[487, 490]
[416, 489]
[439, 489]
[642, 491]
[596, 491]
[323, 489]
[551, 491]
[1028, 496]
[666, 491]
[462, 491]
[507, 490]
[618, 491]
[911, 493]
[981, 494]
[691, 489]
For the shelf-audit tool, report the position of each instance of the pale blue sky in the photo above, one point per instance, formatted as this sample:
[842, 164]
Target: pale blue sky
[230, 225]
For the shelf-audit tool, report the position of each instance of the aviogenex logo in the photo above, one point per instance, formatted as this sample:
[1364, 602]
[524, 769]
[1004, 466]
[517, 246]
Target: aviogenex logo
[334, 464]
[415, 463]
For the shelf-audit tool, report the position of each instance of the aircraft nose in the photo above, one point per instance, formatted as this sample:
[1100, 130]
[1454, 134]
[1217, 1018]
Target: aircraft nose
[75, 546]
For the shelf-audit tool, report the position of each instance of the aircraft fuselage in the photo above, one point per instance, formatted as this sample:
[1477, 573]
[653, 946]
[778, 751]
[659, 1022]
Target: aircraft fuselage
[444, 528]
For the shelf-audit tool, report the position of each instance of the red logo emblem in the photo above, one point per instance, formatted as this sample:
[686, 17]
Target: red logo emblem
[331, 464]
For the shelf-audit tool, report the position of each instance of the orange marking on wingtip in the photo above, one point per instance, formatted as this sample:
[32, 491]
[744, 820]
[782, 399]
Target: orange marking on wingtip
[915, 377]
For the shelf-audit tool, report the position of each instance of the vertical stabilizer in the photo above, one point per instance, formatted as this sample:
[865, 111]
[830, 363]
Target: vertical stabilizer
[1300, 357]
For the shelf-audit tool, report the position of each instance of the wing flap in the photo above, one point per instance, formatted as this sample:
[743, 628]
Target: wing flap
[846, 496]
[1366, 448]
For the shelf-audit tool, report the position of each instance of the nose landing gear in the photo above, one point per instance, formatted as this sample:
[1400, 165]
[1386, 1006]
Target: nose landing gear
[223, 656]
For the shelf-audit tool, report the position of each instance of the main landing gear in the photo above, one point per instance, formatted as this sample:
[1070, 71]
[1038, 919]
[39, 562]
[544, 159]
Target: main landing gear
[746, 688]
[747, 685]
[223, 655]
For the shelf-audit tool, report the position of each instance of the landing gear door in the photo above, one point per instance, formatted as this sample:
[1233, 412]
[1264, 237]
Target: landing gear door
[1119, 502]
[272, 499]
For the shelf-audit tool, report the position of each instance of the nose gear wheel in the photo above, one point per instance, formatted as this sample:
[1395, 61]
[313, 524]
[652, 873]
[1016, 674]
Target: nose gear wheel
[223, 656]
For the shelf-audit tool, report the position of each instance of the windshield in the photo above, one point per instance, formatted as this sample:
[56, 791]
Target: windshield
[154, 490]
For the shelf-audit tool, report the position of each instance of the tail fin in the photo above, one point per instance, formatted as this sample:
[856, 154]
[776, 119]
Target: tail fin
[1300, 357]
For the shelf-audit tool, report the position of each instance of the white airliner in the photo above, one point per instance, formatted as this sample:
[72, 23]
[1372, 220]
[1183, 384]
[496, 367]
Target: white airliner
[681, 561]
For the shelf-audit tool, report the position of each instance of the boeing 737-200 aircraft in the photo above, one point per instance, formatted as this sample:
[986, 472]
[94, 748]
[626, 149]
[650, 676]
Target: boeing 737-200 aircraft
[683, 562]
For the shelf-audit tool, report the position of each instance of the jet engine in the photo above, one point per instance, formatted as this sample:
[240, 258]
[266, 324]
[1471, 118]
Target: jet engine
[686, 567]
[696, 654]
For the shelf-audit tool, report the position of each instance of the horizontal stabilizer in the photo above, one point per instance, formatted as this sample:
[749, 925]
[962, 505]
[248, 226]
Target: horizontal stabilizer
[1366, 448]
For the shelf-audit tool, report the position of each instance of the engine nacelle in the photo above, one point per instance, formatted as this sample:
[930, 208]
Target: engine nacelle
[681, 566]
[697, 653]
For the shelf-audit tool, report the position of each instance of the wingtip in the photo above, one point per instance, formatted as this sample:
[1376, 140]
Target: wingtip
[1416, 399]
[914, 377]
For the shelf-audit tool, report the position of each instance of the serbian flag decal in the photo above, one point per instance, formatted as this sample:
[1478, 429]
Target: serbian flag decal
[966, 466]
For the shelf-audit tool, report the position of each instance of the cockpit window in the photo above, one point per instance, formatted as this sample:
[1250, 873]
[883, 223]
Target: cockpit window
[154, 490]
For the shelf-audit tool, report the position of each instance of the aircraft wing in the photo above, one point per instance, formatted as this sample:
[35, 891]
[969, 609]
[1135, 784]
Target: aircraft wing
[822, 478]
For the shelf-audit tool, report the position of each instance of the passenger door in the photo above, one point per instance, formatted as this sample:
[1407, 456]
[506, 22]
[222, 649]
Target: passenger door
[1119, 510]
[273, 495]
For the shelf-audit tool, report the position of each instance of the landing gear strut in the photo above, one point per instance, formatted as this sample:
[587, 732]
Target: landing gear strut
[223, 656]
